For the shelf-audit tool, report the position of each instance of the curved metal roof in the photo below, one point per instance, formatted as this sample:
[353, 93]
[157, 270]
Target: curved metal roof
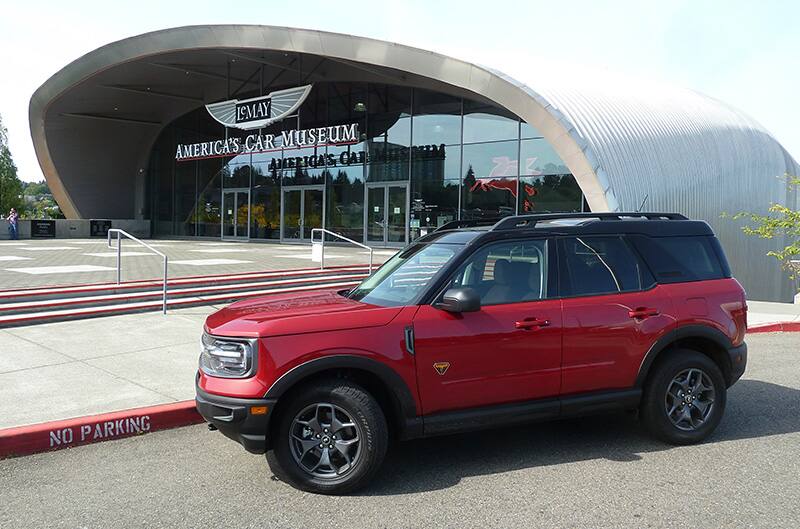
[666, 143]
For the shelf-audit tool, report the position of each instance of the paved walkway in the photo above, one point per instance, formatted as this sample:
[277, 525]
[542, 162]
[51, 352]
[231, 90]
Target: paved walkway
[76, 368]
[766, 312]
[44, 262]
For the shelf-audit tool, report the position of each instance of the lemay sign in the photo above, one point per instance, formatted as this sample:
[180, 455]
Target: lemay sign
[260, 112]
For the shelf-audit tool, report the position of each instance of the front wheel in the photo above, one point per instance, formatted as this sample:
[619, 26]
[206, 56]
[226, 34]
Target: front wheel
[330, 438]
[684, 398]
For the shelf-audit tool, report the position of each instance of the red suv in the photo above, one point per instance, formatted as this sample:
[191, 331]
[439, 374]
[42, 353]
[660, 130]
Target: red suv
[473, 326]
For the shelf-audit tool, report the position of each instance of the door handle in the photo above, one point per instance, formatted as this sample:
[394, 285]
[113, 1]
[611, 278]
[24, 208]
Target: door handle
[641, 313]
[531, 323]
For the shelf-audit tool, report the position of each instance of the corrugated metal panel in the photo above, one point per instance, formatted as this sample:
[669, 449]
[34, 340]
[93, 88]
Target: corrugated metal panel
[685, 152]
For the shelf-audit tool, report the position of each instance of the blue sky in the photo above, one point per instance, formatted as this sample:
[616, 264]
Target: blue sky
[746, 53]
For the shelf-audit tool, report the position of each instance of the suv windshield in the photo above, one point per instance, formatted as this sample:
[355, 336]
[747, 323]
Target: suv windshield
[404, 276]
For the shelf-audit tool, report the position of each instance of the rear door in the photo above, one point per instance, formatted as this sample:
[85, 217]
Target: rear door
[509, 350]
[613, 313]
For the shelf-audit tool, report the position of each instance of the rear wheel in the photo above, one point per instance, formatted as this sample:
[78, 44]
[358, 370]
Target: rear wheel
[330, 438]
[684, 399]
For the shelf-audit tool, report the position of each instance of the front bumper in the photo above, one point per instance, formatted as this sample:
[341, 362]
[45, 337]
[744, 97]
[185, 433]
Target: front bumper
[738, 356]
[233, 418]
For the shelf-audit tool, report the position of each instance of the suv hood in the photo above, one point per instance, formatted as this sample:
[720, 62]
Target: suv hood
[296, 313]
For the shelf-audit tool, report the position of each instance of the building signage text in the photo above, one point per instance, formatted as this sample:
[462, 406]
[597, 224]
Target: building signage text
[255, 143]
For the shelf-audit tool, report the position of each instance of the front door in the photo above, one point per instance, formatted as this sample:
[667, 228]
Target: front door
[302, 209]
[235, 214]
[386, 214]
[509, 350]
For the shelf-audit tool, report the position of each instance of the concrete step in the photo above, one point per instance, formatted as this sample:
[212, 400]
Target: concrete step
[99, 289]
[109, 308]
[234, 289]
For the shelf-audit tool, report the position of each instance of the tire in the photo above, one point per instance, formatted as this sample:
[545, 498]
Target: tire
[692, 419]
[296, 457]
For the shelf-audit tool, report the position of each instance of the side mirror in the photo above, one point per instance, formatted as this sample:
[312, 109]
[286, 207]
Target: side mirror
[457, 300]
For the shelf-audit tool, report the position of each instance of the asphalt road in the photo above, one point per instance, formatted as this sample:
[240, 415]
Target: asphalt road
[595, 472]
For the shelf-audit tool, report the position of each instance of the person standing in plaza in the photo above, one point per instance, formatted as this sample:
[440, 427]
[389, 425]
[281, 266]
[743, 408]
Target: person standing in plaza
[13, 223]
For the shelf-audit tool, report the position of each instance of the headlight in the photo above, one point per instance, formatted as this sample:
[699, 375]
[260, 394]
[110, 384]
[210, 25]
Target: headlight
[228, 358]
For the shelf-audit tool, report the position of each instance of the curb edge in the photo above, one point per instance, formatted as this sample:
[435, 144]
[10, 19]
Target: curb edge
[78, 431]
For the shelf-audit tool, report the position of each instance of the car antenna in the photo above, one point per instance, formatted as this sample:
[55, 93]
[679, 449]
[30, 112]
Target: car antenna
[641, 207]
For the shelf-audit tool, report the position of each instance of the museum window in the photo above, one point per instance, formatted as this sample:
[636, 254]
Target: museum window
[435, 181]
[461, 159]
[437, 119]
[484, 122]
[345, 202]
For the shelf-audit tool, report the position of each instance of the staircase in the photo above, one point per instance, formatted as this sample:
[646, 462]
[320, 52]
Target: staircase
[39, 305]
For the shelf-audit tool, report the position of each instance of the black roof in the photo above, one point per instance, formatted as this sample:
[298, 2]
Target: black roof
[652, 224]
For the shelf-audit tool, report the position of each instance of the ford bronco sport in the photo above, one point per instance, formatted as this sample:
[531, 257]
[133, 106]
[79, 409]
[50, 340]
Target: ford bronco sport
[473, 326]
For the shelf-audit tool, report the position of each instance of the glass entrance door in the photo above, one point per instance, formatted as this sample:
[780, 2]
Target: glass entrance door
[386, 214]
[302, 209]
[235, 214]
[376, 214]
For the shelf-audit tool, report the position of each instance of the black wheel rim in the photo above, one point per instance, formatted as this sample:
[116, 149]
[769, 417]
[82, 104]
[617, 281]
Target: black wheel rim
[325, 441]
[689, 401]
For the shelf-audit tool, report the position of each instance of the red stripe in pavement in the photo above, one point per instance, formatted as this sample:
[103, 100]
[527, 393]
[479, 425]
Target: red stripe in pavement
[788, 326]
[68, 433]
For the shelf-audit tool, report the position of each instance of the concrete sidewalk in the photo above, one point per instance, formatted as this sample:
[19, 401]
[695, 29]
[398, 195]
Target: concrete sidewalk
[76, 368]
[762, 313]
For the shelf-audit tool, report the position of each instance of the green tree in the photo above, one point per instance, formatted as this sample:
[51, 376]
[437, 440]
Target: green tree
[780, 221]
[10, 184]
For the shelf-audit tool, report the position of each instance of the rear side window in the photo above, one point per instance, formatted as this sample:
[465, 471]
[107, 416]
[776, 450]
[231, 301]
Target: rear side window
[600, 265]
[678, 259]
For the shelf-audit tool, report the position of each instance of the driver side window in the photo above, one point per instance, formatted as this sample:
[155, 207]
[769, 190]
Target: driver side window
[506, 272]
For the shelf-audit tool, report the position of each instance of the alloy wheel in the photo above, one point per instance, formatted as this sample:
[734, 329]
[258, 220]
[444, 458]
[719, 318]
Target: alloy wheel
[325, 441]
[689, 400]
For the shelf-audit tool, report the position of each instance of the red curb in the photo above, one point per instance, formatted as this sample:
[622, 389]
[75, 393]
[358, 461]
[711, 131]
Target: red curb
[54, 435]
[789, 326]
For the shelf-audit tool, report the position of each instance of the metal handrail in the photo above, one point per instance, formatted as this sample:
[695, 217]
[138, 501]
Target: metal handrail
[322, 242]
[118, 247]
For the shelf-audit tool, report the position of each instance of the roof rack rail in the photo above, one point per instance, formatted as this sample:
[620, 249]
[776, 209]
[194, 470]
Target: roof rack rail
[468, 223]
[529, 221]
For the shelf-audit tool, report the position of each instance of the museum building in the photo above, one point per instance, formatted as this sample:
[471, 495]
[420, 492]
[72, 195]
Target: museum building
[264, 133]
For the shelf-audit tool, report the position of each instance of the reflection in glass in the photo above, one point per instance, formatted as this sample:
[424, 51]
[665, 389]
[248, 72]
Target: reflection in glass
[265, 203]
[487, 197]
[236, 210]
[396, 215]
[549, 193]
[483, 122]
[346, 202]
[209, 203]
[434, 189]
[492, 160]
[437, 119]
[376, 213]
[292, 200]
[539, 158]
[528, 131]
[312, 210]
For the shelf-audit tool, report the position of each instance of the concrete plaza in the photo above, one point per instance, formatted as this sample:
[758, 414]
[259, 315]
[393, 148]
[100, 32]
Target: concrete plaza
[43, 262]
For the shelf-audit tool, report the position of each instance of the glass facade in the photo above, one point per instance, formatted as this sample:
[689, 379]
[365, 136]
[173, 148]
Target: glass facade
[420, 159]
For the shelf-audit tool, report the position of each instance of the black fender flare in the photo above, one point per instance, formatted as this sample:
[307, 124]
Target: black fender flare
[686, 331]
[404, 400]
